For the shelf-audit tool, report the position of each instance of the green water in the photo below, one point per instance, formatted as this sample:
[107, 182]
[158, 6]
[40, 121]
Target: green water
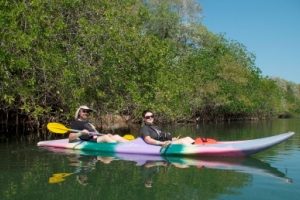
[25, 169]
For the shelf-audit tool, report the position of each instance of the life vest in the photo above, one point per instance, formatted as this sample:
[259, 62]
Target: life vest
[162, 135]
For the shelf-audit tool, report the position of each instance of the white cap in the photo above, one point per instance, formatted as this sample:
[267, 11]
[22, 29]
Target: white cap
[81, 107]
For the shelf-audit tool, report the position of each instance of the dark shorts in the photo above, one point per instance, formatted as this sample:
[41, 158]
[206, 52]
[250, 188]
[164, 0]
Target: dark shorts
[89, 140]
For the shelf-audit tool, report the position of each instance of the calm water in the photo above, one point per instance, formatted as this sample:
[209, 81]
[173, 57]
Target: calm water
[31, 172]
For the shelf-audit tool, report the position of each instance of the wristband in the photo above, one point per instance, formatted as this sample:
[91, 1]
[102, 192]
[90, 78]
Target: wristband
[157, 143]
[79, 133]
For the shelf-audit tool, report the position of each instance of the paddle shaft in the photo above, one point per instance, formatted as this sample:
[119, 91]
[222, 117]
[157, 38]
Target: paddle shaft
[61, 129]
[92, 133]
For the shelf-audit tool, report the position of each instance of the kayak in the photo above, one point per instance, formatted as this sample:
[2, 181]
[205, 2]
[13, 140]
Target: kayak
[138, 146]
[247, 165]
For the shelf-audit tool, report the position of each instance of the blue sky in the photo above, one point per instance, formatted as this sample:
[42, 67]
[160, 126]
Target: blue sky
[268, 28]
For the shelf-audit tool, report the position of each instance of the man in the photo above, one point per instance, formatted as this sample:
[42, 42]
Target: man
[81, 123]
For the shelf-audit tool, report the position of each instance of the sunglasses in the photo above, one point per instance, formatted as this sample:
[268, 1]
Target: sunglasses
[150, 116]
[85, 111]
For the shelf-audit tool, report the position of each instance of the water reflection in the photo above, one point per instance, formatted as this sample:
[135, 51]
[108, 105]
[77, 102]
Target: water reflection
[84, 162]
[25, 170]
[150, 168]
[247, 165]
[83, 165]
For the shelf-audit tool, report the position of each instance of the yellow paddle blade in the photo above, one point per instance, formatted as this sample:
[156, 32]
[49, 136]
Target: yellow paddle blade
[62, 175]
[57, 179]
[57, 128]
[128, 137]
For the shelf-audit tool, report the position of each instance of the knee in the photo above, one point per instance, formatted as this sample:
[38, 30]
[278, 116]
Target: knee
[116, 136]
[106, 138]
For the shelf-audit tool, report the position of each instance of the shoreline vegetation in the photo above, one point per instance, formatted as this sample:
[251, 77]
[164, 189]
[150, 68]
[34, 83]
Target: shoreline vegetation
[122, 57]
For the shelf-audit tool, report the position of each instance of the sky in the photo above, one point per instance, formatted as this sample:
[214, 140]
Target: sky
[270, 29]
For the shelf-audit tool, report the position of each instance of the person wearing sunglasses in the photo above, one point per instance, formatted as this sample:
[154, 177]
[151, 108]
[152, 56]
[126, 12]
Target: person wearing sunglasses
[152, 135]
[81, 123]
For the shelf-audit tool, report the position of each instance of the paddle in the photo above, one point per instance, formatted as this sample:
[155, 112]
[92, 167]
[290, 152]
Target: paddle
[168, 144]
[57, 178]
[61, 129]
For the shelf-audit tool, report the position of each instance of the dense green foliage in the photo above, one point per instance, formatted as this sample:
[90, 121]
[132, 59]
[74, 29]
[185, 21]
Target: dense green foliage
[123, 56]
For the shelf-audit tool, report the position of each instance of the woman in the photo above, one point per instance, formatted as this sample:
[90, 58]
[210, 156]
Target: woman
[152, 135]
[81, 123]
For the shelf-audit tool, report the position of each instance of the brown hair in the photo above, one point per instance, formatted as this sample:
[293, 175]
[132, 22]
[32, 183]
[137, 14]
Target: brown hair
[145, 111]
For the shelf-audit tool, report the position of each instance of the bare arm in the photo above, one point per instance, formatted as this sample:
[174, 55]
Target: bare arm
[150, 140]
[153, 164]
[74, 136]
